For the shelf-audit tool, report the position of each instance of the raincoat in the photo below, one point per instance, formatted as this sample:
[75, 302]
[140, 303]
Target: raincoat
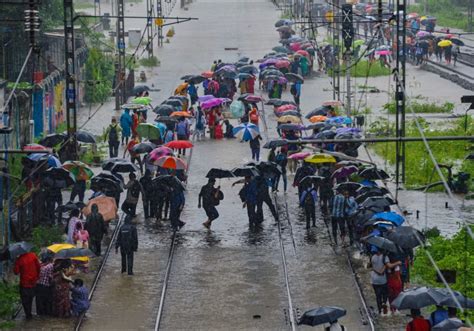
[126, 123]
[304, 63]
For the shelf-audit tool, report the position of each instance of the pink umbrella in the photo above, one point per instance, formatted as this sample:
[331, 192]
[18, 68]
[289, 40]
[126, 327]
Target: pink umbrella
[282, 64]
[422, 33]
[160, 152]
[383, 52]
[206, 97]
[295, 47]
[253, 98]
[299, 156]
[211, 103]
[286, 107]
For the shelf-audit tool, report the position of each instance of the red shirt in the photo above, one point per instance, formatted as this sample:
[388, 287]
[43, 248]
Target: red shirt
[418, 324]
[28, 266]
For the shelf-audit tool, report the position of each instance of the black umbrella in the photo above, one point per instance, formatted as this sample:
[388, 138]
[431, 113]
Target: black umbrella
[105, 184]
[197, 79]
[365, 189]
[124, 167]
[19, 248]
[187, 77]
[73, 252]
[282, 22]
[249, 69]
[272, 72]
[275, 143]
[294, 78]
[457, 41]
[448, 325]
[179, 97]
[317, 126]
[322, 315]
[108, 164]
[380, 202]
[448, 301]
[219, 173]
[268, 168]
[171, 181]
[70, 206]
[164, 110]
[417, 298]
[166, 120]
[329, 134]
[85, 137]
[292, 113]
[362, 197]
[289, 126]
[384, 244]
[112, 177]
[406, 237]
[173, 102]
[53, 139]
[227, 74]
[245, 172]
[320, 111]
[309, 180]
[362, 215]
[58, 178]
[139, 89]
[279, 102]
[373, 173]
[144, 147]
[348, 186]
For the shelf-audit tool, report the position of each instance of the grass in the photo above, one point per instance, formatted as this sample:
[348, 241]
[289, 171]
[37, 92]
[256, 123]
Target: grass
[83, 5]
[447, 14]
[419, 167]
[9, 299]
[150, 62]
[366, 69]
[421, 108]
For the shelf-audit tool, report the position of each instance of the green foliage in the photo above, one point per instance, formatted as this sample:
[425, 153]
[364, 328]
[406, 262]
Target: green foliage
[421, 108]
[419, 168]
[43, 236]
[99, 76]
[20, 85]
[366, 69]
[51, 14]
[150, 62]
[9, 298]
[456, 253]
[448, 13]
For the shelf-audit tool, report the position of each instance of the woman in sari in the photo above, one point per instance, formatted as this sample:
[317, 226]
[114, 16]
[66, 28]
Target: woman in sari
[61, 287]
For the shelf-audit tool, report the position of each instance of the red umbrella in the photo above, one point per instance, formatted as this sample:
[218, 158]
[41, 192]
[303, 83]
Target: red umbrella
[35, 148]
[160, 152]
[286, 107]
[282, 64]
[207, 74]
[170, 162]
[179, 144]
[303, 53]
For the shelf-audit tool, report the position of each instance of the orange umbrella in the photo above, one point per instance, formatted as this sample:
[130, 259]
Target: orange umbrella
[180, 114]
[107, 207]
[318, 118]
[207, 74]
[333, 103]
[171, 162]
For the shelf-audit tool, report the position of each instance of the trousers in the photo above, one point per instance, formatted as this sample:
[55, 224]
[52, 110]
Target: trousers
[127, 261]
[27, 294]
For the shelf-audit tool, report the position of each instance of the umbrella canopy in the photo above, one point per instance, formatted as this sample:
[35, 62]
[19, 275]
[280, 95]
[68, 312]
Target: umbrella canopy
[344, 172]
[348, 186]
[322, 315]
[457, 41]
[253, 98]
[35, 148]
[79, 170]
[333, 103]
[320, 111]
[17, 249]
[406, 237]
[211, 103]
[299, 156]
[380, 202]
[107, 207]
[144, 147]
[287, 107]
[448, 325]
[164, 110]
[392, 217]
[108, 164]
[58, 178]
[53, 139]
[275, 143]
[317, 119]
[180, 114]
[449, 301]
[291, 127]
[166, 120]
[149, 131]
[317, 126]
[283, 22]
[320, 158]
[417, 298]
[142, 101]
[291, 113]
[289, 119]
[245, 172]
[85, 137]
[219, 173]
[309, 180]
[139, 89]
[107, 184]
[159, 152]
[248, 69]
[51, 160]
[207, 74]
[168, 182]
[384, 244]
[373, 173]
[246, 131]
[445, 43]
[73, 252]
[170, 162]
[179, 144]
[124, 167]
[178, 104]
[295, 78]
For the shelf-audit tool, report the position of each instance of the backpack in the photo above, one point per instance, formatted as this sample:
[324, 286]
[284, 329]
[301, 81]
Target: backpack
[217, 196]
[113, 135]
[126, 237]
[181, 128]
[135, 189]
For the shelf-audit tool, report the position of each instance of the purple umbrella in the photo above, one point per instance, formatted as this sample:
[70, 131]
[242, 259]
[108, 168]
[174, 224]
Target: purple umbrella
[422, 33]
[206, 97]
[344, 172]
[282, 80]
[213, 103]
[347, 130]
[227, 67]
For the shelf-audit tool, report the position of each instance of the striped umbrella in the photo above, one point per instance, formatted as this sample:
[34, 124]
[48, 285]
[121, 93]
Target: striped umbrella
[246, 131]
[79, 170]
[170, 162]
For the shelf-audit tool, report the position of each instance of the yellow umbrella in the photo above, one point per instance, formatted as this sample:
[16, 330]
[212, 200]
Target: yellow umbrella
[320, 158]
[59, 247]
[289, 118]
[445, 43]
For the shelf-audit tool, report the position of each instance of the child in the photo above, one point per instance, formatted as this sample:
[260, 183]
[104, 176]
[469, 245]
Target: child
[81, 236]
[79, 298]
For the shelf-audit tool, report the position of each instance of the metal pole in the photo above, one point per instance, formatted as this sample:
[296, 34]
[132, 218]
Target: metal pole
[120, 93]
[149, 27]
[403, 103]
[348, 81]
[159, 13]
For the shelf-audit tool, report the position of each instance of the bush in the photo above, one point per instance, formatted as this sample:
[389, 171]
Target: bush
[9, 299]
[150, 62]
[43, 236]
[421, 108]
[99, 76]
[366, 69]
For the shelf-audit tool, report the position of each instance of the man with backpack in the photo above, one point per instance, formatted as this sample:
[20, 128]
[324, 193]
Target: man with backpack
[149, 204]
[112, 135]
[282, 160]
[210, 197]
[133, 188]
[127, 240]
[308, 200]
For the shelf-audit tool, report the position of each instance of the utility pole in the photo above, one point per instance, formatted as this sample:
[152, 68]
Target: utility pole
[159, 13]
[347, 36]
[469, 15]
[120, 91]
[149, 27]
[336, 73]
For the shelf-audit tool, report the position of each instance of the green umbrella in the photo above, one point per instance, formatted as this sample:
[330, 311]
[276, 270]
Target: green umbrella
[142, 101]
[148, 130]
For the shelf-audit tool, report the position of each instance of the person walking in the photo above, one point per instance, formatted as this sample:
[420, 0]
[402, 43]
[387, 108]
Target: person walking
[200, 125]
[337, 216]
[255, 147]
[72, 225]
[210, 197]
[28, 267]
[295, 91]
[182, 132]
[79, 190]
[97, 228]
[44, 287]
[127, 240]
[349, 212]
[264, 196]
[126, 125]
[177, 202]
[112, 135]
[147, 194]
[133, 188]
[335, 326]
[378, 279]
[134, 156]
[418, 323]
[308, 201]
[326, 195]
[248, 195]
[282, 160]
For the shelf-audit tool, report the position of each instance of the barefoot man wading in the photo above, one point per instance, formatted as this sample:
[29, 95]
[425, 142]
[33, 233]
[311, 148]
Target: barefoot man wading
[210, 197]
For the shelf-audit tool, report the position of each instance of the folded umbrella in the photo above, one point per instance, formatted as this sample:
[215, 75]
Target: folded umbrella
[245, 172]
[384, 244]
[417, 298]
[17, 249]
[107, 207]
[144, 147]
[179, 144]
[148, 131]
[170, 162]
[246, 131]
[219, 173]
[322, 315]
[406, 237]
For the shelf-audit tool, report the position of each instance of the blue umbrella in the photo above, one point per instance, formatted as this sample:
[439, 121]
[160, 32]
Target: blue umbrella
[246, 131]
[161, 127]
[391, 217]
[369, 183]
[53, 161]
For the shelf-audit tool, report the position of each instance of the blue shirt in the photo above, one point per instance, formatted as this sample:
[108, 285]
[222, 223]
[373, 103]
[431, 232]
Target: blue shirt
[338, 205]
[351, 206]
[438, 316]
